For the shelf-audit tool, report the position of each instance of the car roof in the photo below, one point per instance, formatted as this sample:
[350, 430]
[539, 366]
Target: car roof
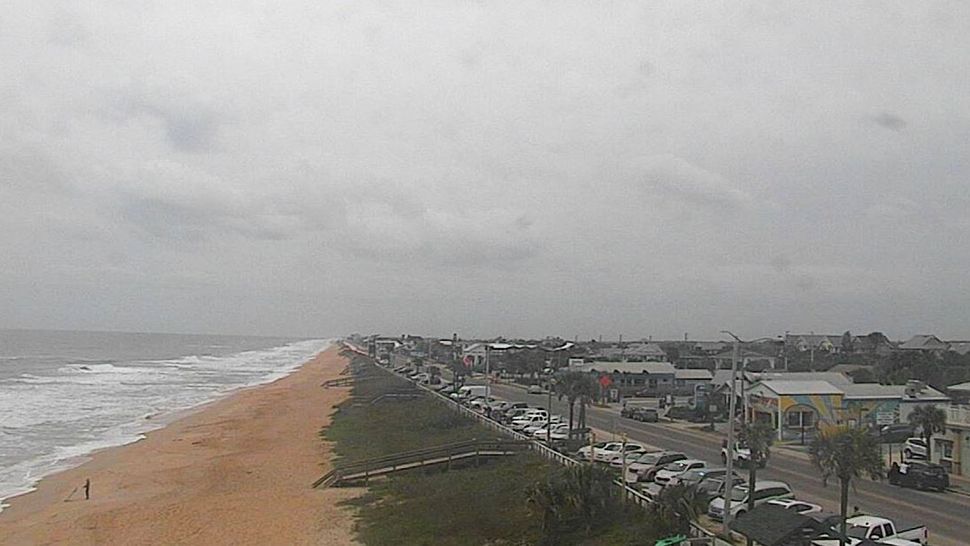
[689, 461]
[867, 521]
[766, 484]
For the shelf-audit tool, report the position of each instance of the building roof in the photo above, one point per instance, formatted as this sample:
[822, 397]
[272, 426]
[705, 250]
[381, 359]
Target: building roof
[790, 387]
[627, 367]
[743, 353]
[635, 350]
[699, 374]
[834, 378]
[962, 387]
[923, 342]
[960, 347]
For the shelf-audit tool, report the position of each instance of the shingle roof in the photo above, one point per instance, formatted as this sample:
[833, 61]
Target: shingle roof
[693, 374]
[801, 387]
[627, 367]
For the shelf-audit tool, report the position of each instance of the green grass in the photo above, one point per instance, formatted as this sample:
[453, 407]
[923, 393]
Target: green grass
[466, 506]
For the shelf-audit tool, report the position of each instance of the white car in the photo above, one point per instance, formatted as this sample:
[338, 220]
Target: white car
[631, 458]
[531, 429]
[615, 449]
[631, 449]
[797, 506]
[522, 423]
[764, 491]
[586, 452]
[672, 471]
[557, 428]
[914, 448]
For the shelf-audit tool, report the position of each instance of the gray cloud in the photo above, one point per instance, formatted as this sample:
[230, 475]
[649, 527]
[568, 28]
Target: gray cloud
[485, 168]
[889, 121]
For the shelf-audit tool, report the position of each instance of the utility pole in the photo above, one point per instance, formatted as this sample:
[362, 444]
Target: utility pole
[488, 374]
[811, 366]
[732, 404]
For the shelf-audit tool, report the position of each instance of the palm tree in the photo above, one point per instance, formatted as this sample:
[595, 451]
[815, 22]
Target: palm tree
[930, 420]
[582, 494]
[758, 437]
[576, 387]
[846, 454]
[677, 506]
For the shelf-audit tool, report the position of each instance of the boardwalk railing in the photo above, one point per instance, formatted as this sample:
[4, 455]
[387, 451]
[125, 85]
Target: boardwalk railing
[437, 455]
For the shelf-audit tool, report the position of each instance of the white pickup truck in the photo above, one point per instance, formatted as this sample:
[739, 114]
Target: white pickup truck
[880, 530]
[742, 455]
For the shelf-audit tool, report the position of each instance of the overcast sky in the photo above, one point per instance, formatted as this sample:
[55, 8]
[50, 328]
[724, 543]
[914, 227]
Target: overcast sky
[516, 168]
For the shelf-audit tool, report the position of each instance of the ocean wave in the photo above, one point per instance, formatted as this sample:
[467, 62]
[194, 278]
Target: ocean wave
[82, 407]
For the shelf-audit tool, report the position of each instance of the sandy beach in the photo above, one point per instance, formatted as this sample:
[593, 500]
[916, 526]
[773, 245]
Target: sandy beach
[238, 471]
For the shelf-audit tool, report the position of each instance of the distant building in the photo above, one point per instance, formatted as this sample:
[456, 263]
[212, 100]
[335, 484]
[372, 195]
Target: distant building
[746, 359]
[634, 378]
[639, 351]
[924, 343]
[686, 381]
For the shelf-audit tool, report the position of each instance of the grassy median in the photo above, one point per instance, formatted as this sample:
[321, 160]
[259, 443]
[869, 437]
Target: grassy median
[466, 506]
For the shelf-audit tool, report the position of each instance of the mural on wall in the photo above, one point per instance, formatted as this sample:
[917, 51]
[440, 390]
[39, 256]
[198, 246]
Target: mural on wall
[828, 407]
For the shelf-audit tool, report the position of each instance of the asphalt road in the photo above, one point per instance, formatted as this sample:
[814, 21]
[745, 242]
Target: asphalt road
[946, 515]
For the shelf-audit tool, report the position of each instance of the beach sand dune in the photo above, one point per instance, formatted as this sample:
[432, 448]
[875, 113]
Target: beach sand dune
[236, 472]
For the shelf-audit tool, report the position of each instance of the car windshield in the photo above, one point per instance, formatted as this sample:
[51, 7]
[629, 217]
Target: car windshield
[649, 458]
[692, 475]
[918, 442]
[739, 494]
[676, 467]
[857, 531]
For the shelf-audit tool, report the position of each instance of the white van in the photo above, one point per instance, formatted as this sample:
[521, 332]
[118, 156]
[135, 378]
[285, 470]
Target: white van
[764, 491]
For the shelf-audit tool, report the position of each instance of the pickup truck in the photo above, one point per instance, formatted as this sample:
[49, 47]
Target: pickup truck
[876, 529]
[742, 455]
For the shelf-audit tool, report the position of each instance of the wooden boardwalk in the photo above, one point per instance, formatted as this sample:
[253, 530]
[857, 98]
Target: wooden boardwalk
[410, 460]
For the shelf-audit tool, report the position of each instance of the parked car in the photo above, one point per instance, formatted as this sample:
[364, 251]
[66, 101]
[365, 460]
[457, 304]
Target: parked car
[712, 487]
[914, 448]
[693, 477]
[631, 448]
[536, 389]
[797, 506]
[880, 530]
[677, 469]
[554, 431]
[585, 453]
[602, 454]
[920, 475]
[644, 468]
[764, 491]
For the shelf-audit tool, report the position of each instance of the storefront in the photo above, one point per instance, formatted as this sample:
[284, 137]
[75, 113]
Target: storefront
[796, 409]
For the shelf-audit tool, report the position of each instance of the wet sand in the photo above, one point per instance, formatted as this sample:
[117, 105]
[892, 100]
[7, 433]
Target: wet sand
[238, 471]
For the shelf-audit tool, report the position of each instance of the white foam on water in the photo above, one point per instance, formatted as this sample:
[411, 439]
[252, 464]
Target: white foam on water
[51, 422]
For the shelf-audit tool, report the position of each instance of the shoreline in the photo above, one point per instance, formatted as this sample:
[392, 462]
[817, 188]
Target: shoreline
[234, 470]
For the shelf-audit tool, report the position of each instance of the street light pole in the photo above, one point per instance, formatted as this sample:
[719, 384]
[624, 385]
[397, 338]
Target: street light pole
[488, 375]
[729, 463]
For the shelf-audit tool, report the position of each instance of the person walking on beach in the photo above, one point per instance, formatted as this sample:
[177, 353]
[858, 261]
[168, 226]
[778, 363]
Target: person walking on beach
[87, 489]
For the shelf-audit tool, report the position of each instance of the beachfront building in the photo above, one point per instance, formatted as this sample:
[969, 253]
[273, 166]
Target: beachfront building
[799, 408]
[633, 378]
[952, 449]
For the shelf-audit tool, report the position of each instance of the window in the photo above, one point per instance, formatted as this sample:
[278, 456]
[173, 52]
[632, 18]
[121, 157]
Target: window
[944, 448]
[801, 418]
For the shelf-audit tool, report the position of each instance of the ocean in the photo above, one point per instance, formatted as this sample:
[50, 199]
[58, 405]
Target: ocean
[66, 394]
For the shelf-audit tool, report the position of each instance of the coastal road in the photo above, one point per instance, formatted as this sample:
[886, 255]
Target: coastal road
[946, 515]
